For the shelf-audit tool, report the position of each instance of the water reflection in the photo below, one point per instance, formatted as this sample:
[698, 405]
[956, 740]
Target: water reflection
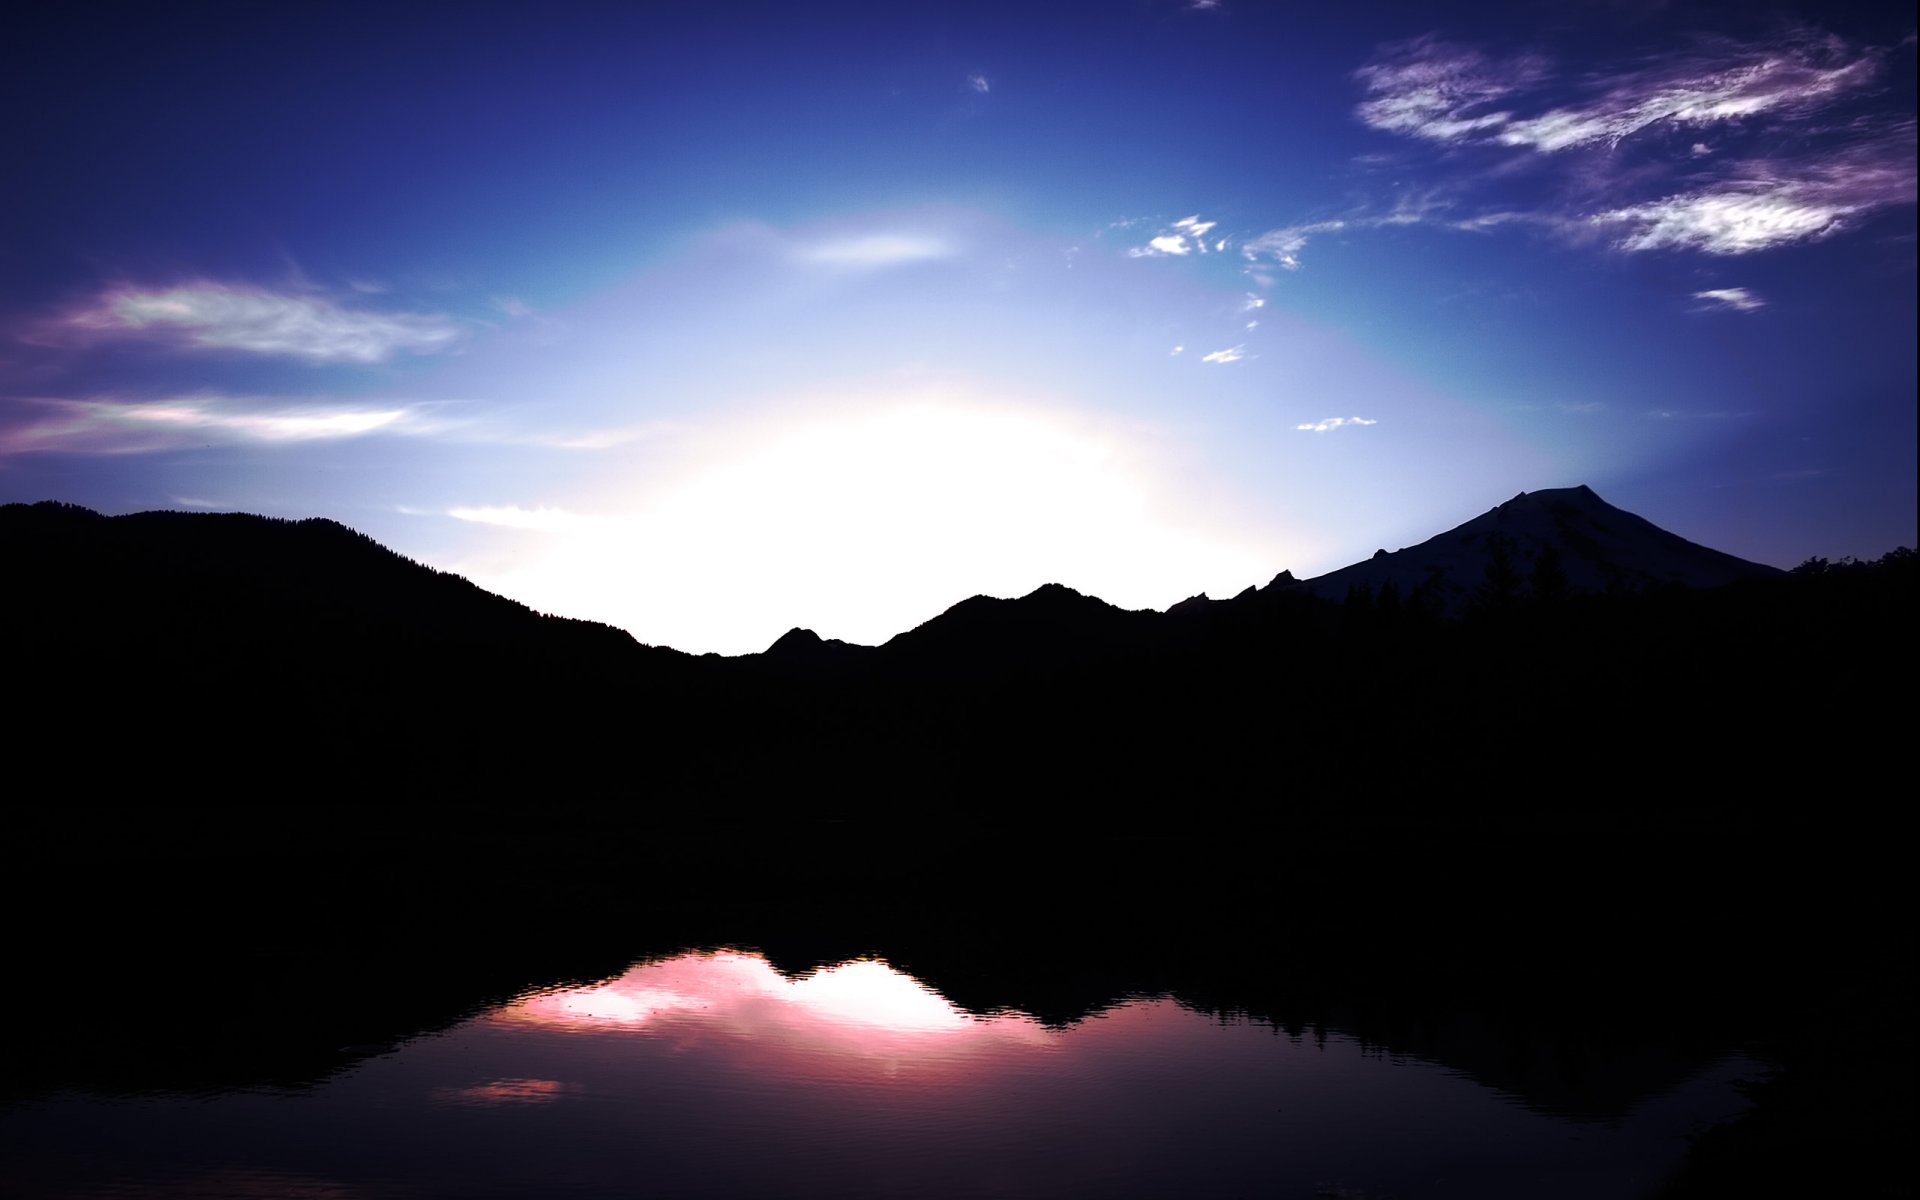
[713, 1074]
[863, 1007]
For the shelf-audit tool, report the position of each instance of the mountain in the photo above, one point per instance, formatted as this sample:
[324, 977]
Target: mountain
[244, 656]
[236, 654]
[1555, 542]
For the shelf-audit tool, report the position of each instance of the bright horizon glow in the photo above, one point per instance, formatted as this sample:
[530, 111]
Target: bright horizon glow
[864, 524]
[862, 1007]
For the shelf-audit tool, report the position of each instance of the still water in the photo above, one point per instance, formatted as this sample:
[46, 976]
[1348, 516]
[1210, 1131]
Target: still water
[712, 1074]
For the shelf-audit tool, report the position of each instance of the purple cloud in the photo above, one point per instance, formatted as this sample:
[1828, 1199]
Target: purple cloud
[218, 316]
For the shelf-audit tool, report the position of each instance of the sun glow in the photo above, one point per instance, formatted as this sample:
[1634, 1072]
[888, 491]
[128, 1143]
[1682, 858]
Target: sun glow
[860, 1007]
[864, 523]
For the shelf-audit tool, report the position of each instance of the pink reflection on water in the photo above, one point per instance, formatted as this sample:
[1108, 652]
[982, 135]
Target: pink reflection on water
[863, 1006]
[505, 1091]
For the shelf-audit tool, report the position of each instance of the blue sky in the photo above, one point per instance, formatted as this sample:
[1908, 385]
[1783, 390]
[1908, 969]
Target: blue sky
[717, 320]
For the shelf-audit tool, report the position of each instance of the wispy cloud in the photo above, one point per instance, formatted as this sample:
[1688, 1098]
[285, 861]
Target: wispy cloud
[1678, 192]
[869, 251]
[1769, 203]
[1283, 246]
[1433, 89]
[1186, 236]
[1681, 414]
[1331, 423]
[979, 84]
[1738, 299]
[538, 520]
[116, 426]
[1232, 354]
[218, 316]
[1445, 92]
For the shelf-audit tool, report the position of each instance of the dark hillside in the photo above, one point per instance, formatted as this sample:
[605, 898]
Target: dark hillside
[234, 655]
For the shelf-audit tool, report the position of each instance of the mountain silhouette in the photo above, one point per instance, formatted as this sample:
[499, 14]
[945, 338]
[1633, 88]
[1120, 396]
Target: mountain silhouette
[247, 652]
[1567, 540]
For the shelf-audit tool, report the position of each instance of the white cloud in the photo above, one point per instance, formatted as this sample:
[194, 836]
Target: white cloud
[1283, 246]
[216, 316]
[542, 520]
[1331, 423]
[1177, 350]
[113, 426]
[1738, 299]
[1459, 95]
[979, 84]
[1433, 89]
[1725, 222]
[874, 250]
[1186, 236]
[1231, 355]
[1766, 203]
[1443, 92]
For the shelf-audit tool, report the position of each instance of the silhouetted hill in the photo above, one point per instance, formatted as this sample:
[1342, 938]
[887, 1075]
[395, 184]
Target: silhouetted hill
[1543, 545]
[249, 655]
[240, 655]
[1050, 629]
[1563, 541]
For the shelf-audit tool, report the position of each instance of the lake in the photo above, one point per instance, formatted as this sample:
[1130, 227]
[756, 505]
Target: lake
[714, 1073]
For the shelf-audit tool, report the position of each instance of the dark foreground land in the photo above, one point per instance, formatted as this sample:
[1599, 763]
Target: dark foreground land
[308, 796]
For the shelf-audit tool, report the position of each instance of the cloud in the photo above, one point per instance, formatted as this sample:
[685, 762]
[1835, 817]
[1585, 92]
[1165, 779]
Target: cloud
[1433, 89]
[1231, 355]
[1331, 423]
[979, 84]
[1283, 246]
[217, 316]
[1186, 236]
[1738, 299]
[1724, 83]
[114, 426]
[1767, 203]
[540, 520]
[1673, 414]
[870, 251]
[1440, 91]
[1679, 193]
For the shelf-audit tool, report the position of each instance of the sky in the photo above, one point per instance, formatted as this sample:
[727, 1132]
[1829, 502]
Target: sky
[713, 320]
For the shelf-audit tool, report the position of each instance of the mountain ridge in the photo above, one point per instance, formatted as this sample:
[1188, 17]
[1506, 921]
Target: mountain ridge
[1561, 540]
[1566, 540]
